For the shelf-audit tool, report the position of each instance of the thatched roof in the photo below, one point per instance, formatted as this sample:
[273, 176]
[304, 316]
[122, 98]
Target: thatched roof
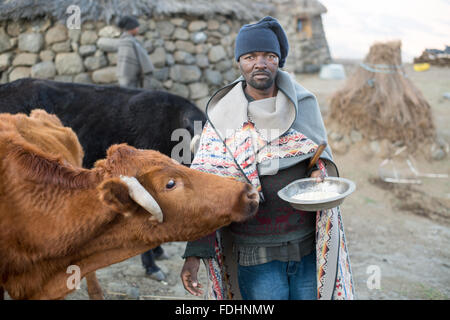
[110, 10]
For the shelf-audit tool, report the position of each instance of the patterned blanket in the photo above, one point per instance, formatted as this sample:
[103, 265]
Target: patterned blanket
[237, 157]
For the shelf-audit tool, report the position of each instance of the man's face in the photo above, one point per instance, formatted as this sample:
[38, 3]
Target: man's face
[259, 69]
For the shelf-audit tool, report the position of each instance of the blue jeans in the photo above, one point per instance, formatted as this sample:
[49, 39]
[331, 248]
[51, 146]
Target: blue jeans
[278, 280]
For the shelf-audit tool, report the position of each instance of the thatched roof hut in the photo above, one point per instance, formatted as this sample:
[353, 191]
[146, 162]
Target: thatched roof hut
[110, 10]
[302, 20]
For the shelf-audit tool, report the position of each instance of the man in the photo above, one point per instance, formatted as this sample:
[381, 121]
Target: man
[134, 68]
[262, 129]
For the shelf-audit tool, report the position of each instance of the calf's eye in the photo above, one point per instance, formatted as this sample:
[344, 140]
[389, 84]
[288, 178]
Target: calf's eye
[170, 184]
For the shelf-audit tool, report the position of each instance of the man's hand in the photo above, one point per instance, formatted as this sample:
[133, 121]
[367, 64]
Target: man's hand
[189, 276]
[318, 175]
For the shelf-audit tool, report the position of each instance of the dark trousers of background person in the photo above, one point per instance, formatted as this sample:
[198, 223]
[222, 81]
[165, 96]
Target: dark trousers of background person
[148, 260]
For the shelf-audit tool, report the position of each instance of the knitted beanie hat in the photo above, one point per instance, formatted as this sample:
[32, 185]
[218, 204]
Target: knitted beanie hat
[128, 23]
[267, 35]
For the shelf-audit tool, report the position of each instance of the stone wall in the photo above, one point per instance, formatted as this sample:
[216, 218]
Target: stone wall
[308, 50]
[310, 54]
[193, 58]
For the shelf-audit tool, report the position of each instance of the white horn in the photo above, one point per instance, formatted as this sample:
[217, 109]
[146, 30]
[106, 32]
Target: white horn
[142, 197]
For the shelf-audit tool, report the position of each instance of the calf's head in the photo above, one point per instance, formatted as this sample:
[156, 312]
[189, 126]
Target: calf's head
[168, 201]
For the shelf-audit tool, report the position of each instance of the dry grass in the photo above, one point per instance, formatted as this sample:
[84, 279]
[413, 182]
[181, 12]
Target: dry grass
[383, 104]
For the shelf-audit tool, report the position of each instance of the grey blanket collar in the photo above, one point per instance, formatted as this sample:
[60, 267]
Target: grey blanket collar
[229, 109]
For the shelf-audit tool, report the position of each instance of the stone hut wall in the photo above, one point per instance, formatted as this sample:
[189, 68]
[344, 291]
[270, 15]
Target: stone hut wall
[307, 53]
[310, 54]
[192, 57]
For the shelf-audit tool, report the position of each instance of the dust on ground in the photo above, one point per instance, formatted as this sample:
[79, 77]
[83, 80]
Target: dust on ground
[402, 231]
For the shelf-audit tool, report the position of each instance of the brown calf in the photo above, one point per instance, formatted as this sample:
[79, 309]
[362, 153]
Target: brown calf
[48, 133]
[54, 214]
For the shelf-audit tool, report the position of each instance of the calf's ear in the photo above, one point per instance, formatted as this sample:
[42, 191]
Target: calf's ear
[114, 194]
[120, 150]
[126, 195]
[139, 194]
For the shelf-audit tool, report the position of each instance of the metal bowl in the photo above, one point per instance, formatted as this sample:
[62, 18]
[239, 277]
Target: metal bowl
[330, 184]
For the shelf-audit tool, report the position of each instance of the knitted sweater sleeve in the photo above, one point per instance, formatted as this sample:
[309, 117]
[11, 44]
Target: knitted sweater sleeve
[202, 248]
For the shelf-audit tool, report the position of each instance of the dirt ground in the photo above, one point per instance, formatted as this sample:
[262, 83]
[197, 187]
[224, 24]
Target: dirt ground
[403, 231]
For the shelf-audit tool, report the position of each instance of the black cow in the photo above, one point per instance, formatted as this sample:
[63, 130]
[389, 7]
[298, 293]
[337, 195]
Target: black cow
[104, 115]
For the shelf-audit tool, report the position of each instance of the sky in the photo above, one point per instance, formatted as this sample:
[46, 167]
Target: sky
[352, 26]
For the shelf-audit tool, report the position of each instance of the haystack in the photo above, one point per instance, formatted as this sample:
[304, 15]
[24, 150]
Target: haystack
[380, 102]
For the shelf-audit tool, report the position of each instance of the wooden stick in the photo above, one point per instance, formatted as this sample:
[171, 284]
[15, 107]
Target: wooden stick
[316, 155]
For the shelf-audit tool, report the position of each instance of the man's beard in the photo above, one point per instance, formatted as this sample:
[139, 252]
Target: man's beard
[261, 84]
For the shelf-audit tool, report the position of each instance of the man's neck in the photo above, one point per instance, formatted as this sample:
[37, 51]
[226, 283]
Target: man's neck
[261, 94]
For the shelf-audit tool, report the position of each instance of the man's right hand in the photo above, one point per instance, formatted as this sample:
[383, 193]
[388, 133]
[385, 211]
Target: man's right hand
[318, 174]
[189, 276]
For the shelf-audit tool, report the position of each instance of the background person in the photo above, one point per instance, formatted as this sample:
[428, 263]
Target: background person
[134, 67]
